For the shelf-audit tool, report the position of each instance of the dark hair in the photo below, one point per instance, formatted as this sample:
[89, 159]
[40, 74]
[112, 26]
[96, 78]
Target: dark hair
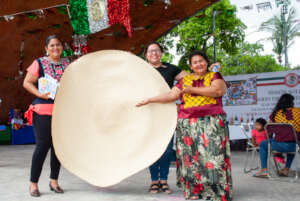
[198, 53]
[49, 38]
[261, 121]
[285, 101]
[153, 43]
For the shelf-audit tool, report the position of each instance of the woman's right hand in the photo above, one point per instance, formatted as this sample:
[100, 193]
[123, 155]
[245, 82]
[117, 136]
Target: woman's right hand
[142, 103]
[44, 96]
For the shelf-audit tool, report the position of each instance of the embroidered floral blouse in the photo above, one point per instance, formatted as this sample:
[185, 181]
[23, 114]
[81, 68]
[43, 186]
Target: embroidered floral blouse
[194, 106]
[55, 70]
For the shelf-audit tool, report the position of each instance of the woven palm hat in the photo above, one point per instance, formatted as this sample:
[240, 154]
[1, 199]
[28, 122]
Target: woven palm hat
[98, 132]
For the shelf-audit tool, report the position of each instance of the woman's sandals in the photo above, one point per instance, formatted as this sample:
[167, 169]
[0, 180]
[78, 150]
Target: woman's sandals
[165, 188]
[194, 197]
[262, 174]
[157, 187]
[154, 188]
[283, 173]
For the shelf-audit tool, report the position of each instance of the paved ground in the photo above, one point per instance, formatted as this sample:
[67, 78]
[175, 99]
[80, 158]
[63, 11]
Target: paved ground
[14, 174]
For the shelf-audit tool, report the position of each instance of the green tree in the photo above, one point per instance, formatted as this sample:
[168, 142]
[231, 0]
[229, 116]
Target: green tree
[253, 64]
[275, 27]
[167, 57]
[248, 61]
[197, 32]
[249, 49]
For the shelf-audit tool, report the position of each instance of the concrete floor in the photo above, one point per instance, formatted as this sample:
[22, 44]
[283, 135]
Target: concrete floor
[15, 167]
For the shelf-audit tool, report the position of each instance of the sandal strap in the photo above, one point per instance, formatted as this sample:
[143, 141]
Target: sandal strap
[154, 187]
[261, 174]
[164, 186]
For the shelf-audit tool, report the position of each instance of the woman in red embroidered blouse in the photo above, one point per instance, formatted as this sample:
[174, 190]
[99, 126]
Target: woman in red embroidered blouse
[202, 141]
[40, 112]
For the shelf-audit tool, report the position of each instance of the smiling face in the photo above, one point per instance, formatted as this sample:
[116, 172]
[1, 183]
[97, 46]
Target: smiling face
[199, 65]
[54, 48]
[154, 54]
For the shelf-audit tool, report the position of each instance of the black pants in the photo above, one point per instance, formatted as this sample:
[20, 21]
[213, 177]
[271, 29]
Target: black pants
[42, 131]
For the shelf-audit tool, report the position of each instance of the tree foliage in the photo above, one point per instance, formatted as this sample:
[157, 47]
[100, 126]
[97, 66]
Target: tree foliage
[197, 31]
[236, 55]
[275, 27]
[253, 64]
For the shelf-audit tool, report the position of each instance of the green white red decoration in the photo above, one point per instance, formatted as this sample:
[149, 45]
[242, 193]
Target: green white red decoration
[91, 16]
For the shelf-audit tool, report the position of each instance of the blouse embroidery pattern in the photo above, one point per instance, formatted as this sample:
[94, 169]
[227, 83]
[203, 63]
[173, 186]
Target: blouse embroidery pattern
[194, 101]
[291, 116]
[54, 70]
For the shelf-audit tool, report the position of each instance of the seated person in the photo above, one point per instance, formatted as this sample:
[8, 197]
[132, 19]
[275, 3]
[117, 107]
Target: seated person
[284, 112]
[259, 133]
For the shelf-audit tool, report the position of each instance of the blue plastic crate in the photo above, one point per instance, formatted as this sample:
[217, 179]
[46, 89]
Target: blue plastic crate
[5, 134]
[23, 136]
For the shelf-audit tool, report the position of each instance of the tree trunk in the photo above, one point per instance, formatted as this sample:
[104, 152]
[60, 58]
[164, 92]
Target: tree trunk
[204, 46]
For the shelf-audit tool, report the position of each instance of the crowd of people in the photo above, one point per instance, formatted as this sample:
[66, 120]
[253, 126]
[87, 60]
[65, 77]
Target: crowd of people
[202, 135]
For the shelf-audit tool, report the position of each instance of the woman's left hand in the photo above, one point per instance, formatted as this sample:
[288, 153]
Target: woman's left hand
[188, 90]
[216, 64]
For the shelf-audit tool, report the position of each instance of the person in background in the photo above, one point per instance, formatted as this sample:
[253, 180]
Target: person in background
[284, 112]
[259, 134]
[40, 112]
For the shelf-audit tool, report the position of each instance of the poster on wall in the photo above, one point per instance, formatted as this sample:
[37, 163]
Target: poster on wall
[241, 92]
[253, 96]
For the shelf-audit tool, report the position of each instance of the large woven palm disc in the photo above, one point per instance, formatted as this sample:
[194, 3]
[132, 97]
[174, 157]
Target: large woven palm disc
[98, 133]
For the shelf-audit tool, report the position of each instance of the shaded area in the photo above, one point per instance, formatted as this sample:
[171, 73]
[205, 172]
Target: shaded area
[148, 22]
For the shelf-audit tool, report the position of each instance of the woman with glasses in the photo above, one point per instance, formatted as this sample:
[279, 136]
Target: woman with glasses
[160, 169]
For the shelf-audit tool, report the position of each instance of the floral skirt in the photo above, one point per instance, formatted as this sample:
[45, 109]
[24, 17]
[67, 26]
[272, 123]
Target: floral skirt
[203, 158]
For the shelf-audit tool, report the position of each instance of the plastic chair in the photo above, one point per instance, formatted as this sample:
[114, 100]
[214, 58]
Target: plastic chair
[277, 131]
[252, 155]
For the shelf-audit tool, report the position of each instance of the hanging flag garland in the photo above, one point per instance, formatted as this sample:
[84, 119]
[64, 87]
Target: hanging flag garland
[91, 16]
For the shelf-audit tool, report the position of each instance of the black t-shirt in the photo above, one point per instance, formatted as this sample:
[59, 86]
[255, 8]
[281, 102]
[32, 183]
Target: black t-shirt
[169, 72]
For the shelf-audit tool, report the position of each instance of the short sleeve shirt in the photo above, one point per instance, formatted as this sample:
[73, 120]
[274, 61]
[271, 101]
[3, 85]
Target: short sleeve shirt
[33, 69]
[292, 116]
[52, 69]
[169, 73]
[259, 136]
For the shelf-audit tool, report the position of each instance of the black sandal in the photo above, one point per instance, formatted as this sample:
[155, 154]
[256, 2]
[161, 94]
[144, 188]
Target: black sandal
[154, 188]
[165, 188]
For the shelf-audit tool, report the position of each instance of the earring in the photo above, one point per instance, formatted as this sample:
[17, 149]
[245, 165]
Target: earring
[47, 54]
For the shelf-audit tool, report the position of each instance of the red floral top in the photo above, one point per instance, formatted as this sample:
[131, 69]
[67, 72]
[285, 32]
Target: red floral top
[55, 71]
[194, 106]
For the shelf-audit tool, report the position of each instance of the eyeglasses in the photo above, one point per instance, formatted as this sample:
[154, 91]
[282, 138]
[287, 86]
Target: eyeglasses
[154, 51]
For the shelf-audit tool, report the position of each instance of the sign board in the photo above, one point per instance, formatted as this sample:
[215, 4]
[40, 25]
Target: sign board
[255, 95]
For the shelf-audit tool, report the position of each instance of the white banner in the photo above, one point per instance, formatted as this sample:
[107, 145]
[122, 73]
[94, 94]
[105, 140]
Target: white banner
[255, 95]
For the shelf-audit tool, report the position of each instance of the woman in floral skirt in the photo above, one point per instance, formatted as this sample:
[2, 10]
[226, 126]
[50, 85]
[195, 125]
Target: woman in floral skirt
[203, 151]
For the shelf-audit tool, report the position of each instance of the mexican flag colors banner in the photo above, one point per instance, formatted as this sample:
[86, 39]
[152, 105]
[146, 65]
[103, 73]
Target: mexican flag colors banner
[91, 16]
